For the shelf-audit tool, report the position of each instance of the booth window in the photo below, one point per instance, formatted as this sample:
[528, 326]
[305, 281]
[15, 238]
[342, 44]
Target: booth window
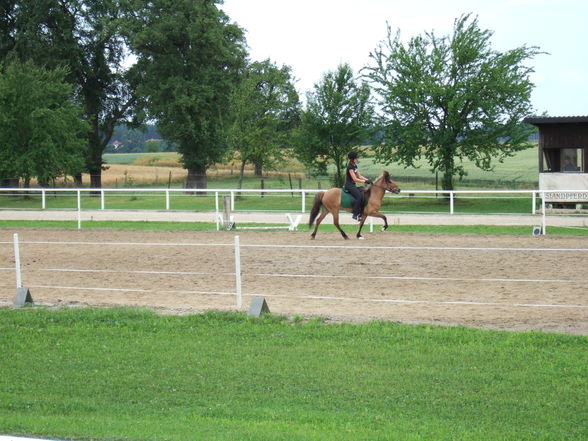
[571, 160]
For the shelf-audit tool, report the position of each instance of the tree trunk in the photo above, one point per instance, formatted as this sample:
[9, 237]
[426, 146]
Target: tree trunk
[197, 178]
[241, 173]
[258, 169]
[447, 180]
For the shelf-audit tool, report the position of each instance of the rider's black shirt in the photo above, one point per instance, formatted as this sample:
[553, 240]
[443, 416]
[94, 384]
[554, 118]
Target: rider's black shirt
[349, 182]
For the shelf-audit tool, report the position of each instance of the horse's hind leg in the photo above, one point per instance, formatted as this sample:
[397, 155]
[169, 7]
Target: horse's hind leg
[318, 222]
[358, 235]
[336, 222]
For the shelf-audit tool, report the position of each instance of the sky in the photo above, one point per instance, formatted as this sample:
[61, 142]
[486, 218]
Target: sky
[315, 36]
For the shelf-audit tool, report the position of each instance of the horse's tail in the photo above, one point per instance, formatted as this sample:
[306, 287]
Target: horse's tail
[316, 207]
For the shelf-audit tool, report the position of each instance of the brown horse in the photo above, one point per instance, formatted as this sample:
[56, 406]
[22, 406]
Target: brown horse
[330, 202]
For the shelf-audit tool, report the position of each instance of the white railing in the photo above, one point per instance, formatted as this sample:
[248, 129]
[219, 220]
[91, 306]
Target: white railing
[533, 194]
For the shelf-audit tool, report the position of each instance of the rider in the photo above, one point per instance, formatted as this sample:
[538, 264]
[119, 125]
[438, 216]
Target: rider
[353, 176]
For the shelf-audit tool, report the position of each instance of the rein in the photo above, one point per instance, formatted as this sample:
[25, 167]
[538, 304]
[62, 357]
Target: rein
[380, 186]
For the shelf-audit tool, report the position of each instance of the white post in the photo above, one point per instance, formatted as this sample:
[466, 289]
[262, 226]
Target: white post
[451, 203]
[238, 273]
[232, 201]
[102, 202]
[216, 213]
[79, 210]
[167, 200]
[303, 201]
[534, 203]
[43, 199]
[17, 262]
[544, 220]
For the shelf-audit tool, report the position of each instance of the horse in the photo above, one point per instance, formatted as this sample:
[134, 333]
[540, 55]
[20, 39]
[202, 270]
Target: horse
[330, 202]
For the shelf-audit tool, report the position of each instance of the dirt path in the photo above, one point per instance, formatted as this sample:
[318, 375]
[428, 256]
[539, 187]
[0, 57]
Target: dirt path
[498, 282]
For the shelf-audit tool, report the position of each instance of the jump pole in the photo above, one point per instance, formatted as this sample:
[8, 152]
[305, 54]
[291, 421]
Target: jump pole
[238, 273]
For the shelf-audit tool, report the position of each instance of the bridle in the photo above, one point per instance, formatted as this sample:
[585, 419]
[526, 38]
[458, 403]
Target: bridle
[382, 186]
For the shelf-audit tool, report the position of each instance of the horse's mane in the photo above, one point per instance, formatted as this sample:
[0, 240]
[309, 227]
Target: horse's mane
[385, 176]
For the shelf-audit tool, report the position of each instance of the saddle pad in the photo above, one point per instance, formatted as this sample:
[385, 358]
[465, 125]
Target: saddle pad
[347, 200]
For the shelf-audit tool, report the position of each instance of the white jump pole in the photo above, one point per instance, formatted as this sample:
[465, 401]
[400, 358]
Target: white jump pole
[79, 210]
[17, 262]
[238, 273]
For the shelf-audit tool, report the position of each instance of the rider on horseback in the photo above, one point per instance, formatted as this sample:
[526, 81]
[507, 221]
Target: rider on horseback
[353, 176]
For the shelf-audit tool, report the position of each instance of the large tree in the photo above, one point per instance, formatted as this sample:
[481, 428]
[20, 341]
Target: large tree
[337, 117]
[84, 36]
[266, 110]
[41, 132]
[451, 98]
[190, 55]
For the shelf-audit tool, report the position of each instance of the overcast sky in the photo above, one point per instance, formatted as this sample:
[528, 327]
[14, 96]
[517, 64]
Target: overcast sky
[315, 36]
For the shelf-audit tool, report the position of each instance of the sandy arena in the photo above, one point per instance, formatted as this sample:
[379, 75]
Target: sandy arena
[494, 282]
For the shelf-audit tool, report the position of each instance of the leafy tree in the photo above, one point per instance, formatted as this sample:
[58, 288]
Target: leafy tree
[85, 36]
[266, 110]
[41, 132]
[337, 117]
[190, 56]
[451, 98]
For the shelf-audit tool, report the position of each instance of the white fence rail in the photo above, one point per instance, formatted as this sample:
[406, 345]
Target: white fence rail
[535, 195]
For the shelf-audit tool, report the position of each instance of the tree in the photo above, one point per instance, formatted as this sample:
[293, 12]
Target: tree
[451, 98]
[190, 57]
[85, 36]
[337, 117]
[41, 132]
[266, 110]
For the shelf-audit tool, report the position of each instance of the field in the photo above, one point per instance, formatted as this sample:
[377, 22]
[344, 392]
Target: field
[518, 171]
[352, 349]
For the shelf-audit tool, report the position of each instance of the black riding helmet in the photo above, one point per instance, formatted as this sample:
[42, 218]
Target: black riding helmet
[352, 155]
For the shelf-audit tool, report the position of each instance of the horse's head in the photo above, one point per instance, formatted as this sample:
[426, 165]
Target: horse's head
[389, 184]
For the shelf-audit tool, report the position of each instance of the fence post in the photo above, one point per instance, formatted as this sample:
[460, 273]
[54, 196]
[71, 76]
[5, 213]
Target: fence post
[534, 203]
[167, 200]
[17, 261]
[216, 213]
[43, 199]
[232, 201]
[303, 194]
[238, 273]
[543, 219]
[451, 203]
[79, 210]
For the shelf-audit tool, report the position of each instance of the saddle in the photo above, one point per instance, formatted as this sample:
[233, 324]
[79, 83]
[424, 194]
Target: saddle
[347, 198]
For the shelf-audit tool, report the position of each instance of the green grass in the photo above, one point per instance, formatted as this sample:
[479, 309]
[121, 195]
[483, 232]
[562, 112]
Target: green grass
[125, 374]
[518, 171]
[134, 200]
[302, 229]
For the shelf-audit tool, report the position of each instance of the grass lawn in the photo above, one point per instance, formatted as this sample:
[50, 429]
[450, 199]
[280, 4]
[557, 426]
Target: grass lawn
[302, 229]
[126, 374]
